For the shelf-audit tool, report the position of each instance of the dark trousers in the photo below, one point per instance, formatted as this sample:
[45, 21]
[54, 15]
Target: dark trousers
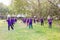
[34, 21]
[11, 27]
[50, 24]
[42, 23]
[30, 26]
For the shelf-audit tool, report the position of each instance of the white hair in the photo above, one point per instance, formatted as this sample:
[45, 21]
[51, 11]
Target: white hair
[8, 16]
[48, 17]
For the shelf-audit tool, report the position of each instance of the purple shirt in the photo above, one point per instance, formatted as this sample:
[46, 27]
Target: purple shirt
[30, 21]
[15, 20]
[12, 20]
[24, 20]
[27, 20]
[41, 19]
[9, 22]
[50, 20]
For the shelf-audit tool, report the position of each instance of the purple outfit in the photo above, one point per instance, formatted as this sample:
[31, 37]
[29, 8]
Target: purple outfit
[24, 20]
[42, 21]
[12, 20]
[30, 23]
[27, 21]
[50, 22]
[15, 20]
[9, 21]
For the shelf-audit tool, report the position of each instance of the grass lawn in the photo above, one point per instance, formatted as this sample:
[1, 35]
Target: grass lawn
[21, 32]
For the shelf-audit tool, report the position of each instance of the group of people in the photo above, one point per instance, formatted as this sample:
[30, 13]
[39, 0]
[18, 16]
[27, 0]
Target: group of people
[11, 21]
[29, 21]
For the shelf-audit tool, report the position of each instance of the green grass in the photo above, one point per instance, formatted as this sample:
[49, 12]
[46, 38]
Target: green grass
[21, 32]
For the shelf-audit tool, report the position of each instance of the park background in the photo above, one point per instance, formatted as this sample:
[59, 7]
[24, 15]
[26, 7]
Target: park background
[30, 8]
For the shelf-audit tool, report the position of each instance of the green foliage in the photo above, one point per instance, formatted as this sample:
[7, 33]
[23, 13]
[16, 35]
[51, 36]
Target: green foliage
[36, 7]
[3, 9]
[19, 6]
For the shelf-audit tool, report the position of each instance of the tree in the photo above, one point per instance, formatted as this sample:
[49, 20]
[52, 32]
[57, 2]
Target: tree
[3, 9]
[37, 8]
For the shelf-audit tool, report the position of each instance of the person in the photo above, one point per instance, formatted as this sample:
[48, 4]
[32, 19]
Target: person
[12, 21]
[34, 20]
[27, 21]
[50, 22]
[15, 20]
[24, 20]
[9, 24]
[30, 23]
[42, 21]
